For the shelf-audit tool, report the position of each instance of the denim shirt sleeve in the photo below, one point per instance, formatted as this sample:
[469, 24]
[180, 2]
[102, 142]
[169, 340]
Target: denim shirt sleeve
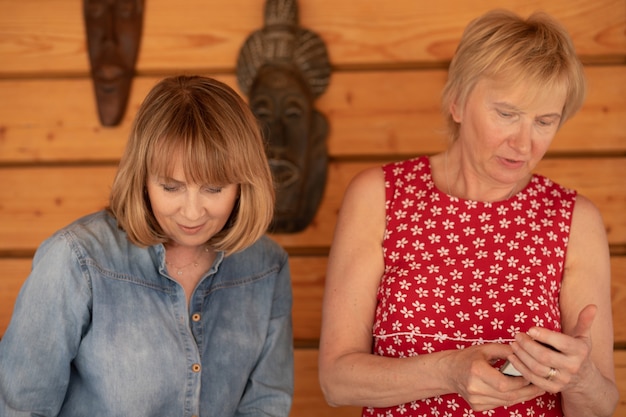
[270, 387]
[51, 313]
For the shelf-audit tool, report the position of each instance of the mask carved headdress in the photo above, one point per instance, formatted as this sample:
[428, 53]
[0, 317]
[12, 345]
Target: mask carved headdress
[283, 42]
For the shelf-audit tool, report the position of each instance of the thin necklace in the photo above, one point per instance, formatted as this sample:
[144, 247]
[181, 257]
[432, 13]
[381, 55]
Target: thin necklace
[195, 263]
[445, 168]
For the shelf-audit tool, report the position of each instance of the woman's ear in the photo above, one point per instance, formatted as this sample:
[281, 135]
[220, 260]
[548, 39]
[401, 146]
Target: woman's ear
[455, 112]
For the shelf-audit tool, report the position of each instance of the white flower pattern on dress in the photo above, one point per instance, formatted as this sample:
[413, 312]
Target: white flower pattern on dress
[460, 273]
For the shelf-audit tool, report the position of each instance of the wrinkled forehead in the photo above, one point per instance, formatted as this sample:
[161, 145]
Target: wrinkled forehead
[547, 95]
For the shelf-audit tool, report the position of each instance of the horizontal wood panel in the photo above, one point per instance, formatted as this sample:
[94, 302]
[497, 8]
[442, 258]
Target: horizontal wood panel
[308, 278]
[308, 400]
[618, 298]
[39, 200]
[378, 113]
[36, 201]
[372, 113]
[47, 36]
[14, 274]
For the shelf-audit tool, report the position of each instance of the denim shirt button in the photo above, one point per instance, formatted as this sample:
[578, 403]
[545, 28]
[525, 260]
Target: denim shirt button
[196, 317]
[195, 367]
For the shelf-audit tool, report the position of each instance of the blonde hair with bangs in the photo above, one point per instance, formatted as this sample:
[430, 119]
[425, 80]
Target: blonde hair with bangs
[206, 125]
[501, 45]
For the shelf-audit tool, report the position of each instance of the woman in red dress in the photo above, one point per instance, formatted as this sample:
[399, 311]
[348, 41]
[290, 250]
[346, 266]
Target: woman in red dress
[445, 267]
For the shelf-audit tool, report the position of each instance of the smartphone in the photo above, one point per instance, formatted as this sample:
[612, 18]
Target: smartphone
[509, 369]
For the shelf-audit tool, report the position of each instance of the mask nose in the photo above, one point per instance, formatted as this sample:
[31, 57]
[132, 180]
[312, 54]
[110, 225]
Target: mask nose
[109, 35]
[278, 139]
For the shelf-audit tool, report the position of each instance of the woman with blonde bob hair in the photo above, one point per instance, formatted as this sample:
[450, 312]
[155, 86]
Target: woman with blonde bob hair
[172, 300]
[464, 283]
[200, 121]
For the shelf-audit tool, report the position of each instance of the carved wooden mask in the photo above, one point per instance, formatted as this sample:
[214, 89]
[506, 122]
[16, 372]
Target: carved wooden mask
[113, 37]
[297, 155]
[283, 68]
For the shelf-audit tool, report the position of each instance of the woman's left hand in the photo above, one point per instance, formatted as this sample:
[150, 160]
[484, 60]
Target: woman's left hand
[563, 368]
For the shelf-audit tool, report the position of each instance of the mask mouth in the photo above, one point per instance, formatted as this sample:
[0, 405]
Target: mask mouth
[106, 87]
[284, 172]
[112, 91]
[108, 73]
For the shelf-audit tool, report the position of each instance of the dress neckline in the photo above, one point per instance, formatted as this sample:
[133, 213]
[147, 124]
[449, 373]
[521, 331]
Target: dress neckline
[452, 198]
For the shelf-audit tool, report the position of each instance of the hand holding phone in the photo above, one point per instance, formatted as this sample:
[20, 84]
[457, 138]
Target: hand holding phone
[509, 369]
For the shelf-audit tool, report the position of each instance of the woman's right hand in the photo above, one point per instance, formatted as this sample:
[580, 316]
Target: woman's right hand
[484, 387]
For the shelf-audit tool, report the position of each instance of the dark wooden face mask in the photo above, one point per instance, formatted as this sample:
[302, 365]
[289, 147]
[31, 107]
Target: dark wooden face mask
[283, 68]
[113, 29]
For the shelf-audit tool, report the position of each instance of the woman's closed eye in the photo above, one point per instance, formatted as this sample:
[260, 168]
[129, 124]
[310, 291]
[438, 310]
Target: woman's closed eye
[176, 186]
[213, 189]
[171, 188]
[547, 121]
[505, 114]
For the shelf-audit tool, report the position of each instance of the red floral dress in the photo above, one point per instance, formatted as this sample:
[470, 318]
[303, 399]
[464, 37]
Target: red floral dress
[460, 273]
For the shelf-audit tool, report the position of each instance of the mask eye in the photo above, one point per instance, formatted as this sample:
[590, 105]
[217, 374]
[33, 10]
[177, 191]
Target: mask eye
[126, 8]
[95, 9]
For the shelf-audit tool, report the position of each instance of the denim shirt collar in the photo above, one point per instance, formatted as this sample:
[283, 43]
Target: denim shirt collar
[158, 252]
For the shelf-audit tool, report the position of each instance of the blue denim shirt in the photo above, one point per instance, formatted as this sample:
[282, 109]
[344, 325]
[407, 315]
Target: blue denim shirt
[100, 329]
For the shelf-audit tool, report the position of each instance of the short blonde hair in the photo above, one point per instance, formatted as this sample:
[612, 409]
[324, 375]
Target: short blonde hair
[214, 131]
[501, 45]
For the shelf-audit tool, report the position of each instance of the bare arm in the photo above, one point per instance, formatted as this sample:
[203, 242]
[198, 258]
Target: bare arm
[592, 392]
[584, 368]
[349, 373]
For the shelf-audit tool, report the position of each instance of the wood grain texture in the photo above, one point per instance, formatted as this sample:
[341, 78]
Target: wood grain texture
[308, 400]
[48, 37]
[371, 113]
[36, 201]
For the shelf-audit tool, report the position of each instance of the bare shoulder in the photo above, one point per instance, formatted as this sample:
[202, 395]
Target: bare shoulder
[368, 181]
[365, 193]
[588, 239]
[362, 215]
[586, 217]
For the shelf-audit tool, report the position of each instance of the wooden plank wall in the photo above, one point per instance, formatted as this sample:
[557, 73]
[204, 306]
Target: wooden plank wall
[389, 60]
